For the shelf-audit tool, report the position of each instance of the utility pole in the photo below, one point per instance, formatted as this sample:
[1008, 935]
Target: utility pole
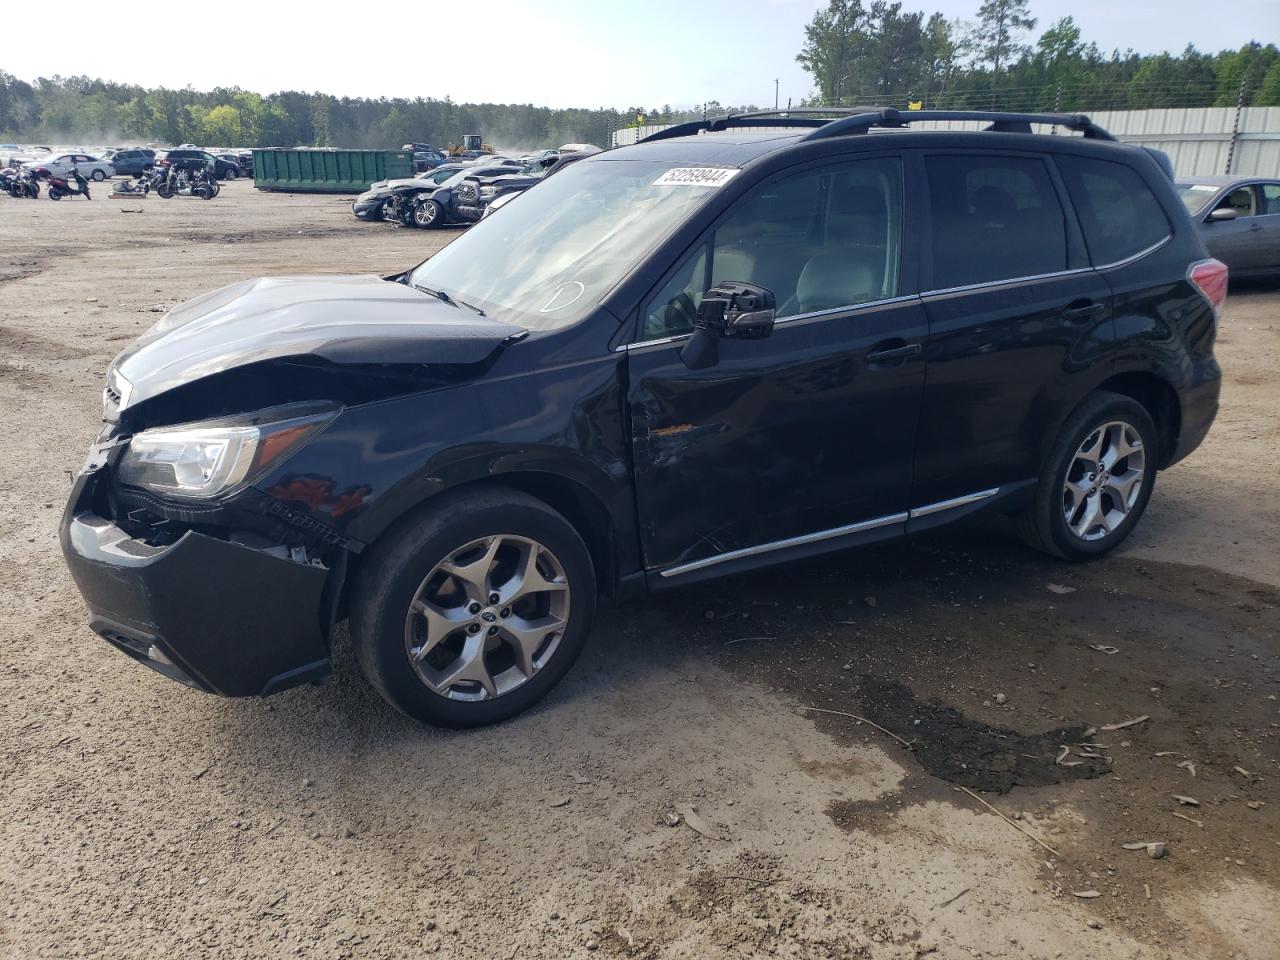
[1235, 127]
[775, 93]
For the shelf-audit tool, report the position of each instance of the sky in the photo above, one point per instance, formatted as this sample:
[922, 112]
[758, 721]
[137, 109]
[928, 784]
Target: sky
[558, 53]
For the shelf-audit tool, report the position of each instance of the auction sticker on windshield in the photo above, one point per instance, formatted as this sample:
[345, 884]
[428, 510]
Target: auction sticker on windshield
[696, 177]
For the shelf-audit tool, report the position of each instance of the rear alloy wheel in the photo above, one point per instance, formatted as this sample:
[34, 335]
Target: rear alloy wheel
[1104, 480]
[99, 176]
[475, 608]
[230, 174]
[1097, 480]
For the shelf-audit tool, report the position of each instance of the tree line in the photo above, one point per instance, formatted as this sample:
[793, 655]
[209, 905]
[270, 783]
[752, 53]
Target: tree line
[856, 52]
[877, 52]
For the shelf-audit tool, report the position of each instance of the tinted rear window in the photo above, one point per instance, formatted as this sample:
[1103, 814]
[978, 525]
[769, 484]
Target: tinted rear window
[994, 218]
[1118, 212]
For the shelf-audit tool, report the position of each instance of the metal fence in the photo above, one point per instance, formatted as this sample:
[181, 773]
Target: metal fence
[1201, 141]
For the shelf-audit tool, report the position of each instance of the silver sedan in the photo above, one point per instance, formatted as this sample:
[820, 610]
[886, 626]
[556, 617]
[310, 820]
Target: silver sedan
[62, 165]
[1238, 219]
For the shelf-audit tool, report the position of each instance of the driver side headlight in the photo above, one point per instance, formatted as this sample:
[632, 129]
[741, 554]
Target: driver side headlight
[204, 460]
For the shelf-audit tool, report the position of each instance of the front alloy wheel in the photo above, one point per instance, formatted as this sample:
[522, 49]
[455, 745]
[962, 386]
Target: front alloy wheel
[472, 608]
[487, 618]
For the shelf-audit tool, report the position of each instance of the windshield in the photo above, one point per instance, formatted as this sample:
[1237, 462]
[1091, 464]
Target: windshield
[1195, 196]
[547, 261]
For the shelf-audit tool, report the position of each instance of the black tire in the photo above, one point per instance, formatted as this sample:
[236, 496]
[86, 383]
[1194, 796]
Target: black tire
[98, 175]
[55, 193]
[164, 191]
[425, 213]
[230, 174]
[1045, 525]
[397, 566]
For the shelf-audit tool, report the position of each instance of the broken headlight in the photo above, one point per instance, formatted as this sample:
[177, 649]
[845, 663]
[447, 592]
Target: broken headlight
[209, 459]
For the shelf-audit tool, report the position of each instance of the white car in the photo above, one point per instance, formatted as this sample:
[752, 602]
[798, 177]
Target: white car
[62, 165]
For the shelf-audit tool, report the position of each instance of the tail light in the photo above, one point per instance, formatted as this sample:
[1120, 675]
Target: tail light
[1210, 278]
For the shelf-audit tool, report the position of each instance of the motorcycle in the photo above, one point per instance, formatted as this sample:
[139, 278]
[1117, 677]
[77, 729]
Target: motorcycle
[23, 184]
[178, 181]
[60, 187]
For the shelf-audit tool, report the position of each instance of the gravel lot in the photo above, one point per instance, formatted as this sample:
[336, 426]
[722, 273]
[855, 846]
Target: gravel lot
[142, 819]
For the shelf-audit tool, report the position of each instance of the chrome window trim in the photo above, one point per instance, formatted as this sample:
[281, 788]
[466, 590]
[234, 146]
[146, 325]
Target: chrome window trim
[1004, 283]
[1133, 258]
[821, 535]
[812, 315]
[954, 502]
[783, 544]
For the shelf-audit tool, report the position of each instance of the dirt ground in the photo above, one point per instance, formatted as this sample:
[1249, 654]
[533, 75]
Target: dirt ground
[140, 819]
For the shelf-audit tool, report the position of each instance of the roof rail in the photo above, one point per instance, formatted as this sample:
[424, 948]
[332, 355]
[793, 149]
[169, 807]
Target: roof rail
[842, 121]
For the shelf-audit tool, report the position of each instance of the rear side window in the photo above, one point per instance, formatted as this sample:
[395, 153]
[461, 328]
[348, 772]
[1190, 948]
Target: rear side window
[1118, 212]
[1270, 198]
[994, 218]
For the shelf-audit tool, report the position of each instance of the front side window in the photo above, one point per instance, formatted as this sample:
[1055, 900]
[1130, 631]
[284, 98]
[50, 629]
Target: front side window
[1241, 201]
[994, 218]
[819, 239]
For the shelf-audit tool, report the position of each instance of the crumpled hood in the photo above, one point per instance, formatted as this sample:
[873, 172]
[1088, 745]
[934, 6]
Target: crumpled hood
[342, 319]
[387, 186]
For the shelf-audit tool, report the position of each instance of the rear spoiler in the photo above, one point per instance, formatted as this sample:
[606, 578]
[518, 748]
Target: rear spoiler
[1162, 160]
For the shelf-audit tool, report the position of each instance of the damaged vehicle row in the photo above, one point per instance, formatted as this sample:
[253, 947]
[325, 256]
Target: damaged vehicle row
[719, 349]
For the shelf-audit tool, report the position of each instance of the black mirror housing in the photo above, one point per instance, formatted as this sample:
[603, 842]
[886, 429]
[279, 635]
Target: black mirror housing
[733, 310]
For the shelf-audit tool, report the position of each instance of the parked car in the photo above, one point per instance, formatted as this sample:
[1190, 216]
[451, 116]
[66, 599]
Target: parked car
[703, 354]
[221, 167]
[69, 164]
[190, 159]
[369, 205]
[424, 160]
[246, 162]
[1239, 221]
[227, 166]
[497, 192]
[133, 162]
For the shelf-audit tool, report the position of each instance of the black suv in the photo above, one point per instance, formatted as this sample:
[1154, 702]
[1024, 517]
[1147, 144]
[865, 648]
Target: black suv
[223, 167]
[719, 349]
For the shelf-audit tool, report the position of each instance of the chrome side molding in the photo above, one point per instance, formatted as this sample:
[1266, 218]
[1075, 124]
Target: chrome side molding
[831, 534]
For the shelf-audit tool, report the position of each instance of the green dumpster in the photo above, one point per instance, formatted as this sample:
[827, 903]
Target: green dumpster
[328, 171]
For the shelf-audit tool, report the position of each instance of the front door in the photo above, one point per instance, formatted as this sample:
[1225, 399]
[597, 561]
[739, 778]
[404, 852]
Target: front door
[804, 440]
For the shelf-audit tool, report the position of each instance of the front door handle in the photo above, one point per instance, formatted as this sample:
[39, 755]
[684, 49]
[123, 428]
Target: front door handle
[886, 352]
[1079, 312]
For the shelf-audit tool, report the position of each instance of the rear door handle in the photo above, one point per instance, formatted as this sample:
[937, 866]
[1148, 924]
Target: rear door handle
[1080, 312]
[893, 353]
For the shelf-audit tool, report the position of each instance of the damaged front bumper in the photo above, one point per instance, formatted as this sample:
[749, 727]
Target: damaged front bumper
[211, 613]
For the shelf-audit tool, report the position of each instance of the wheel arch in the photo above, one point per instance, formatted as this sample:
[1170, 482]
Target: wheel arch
[1159, 398]
[584, 510]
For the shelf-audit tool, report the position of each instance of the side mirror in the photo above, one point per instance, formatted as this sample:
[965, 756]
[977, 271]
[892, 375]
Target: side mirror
[1223, 213]
[732, 310]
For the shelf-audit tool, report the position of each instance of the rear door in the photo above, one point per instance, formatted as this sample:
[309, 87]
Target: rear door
[1013, 310]
[803, 440]
[1269, 222]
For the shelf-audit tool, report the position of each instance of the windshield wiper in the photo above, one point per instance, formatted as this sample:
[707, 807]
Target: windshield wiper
[445, 298]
